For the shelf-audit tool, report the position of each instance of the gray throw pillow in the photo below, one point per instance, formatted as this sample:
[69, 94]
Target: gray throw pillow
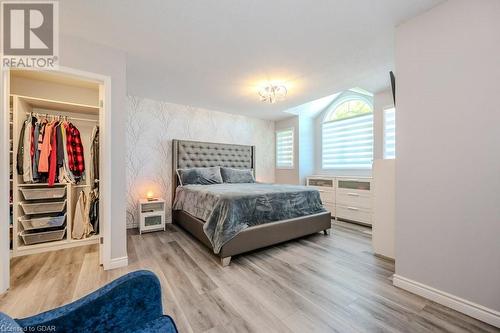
[199, 176]
[231, 175]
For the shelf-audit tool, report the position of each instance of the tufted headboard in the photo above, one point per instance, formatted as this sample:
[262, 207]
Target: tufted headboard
[191, 154]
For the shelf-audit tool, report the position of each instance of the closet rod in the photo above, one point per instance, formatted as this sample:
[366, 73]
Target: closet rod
[65, 117]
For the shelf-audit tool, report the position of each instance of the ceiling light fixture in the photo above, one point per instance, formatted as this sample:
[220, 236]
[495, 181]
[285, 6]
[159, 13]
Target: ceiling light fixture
[272, 93]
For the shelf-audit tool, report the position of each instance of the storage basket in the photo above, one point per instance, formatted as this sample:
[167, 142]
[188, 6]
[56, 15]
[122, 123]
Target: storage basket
[42, 222]
[31, 238]
[43, 193]
[43, 207]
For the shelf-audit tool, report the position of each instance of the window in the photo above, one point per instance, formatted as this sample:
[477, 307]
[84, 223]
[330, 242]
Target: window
[347, 136]
[284, 148]
[390, 133]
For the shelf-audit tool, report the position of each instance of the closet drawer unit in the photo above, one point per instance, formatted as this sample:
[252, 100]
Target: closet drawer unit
[43, 193]
[42, 222]
[31, 238]
[327, 197]
[43, 207]
[354, 214]
[354, 198]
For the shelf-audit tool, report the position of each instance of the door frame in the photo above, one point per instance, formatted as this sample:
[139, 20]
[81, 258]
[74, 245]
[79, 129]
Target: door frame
[104, 167]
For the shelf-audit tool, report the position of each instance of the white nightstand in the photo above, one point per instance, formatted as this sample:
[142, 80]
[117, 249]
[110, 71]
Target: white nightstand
[151, 215]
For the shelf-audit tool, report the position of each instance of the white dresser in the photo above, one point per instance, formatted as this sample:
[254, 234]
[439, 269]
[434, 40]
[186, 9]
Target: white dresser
[326, 188]
[346, 198]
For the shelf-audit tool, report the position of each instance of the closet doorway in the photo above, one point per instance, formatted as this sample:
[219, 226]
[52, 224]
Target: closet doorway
[54, 144]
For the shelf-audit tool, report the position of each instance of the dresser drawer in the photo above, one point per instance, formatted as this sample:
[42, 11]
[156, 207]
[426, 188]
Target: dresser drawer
[354, 214]
[321, 182]
[354, 198]
[327, 196]
[354, 184]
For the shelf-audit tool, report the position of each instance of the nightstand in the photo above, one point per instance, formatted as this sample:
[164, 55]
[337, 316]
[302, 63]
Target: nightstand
[151, 215]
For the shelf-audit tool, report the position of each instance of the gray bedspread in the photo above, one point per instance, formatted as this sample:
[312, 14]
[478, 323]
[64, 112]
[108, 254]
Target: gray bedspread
[227, 209]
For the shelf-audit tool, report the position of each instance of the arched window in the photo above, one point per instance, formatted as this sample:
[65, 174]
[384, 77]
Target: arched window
[347, 135]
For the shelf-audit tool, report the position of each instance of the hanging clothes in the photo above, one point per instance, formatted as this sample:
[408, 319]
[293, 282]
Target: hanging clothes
[94, 210]
[43, 162]
[20, 151]
[53, 152]
[60, 148]
[81, 227]
[34, 160]
[39, 177]
[66, 176]
[94, 155]
[32, 141]
[53, 156]
[27, 148]
[75, 150]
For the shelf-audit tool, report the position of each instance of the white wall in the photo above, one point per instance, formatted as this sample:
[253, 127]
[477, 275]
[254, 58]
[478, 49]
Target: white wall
[448, 150]
[83, 55]
[290, 176]
[151, 126]
[381, 101]
[384, 211]
[306, 146]
[384, 177]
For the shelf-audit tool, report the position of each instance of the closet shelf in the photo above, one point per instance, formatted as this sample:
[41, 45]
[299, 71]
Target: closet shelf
[91, 238]
[23, 247]
[60, 244]
[60, 105]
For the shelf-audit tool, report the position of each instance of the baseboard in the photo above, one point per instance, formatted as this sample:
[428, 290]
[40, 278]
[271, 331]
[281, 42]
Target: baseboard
[469, 308]
[117, 263]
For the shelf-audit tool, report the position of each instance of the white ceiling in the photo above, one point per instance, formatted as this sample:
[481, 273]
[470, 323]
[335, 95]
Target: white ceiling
[214, 53]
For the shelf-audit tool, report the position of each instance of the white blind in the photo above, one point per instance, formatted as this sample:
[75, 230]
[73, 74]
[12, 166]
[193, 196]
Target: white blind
[390, 133]
[284, 148]
[348, 143]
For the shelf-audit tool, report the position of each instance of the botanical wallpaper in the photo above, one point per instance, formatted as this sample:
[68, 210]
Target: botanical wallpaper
[151, 126]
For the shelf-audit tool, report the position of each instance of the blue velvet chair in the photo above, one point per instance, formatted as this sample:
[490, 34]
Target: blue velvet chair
[131, 303]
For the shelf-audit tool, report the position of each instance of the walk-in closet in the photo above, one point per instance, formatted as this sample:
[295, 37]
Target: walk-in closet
[54, 157]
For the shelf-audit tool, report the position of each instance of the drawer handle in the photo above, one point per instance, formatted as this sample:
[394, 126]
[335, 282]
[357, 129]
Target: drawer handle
[353, 194]
[353, 208]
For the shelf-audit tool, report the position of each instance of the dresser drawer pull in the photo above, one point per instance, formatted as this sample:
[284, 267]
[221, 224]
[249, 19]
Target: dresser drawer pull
[353, 208]
[353, 194]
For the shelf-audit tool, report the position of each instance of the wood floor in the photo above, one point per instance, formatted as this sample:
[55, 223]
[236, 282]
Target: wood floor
[315, 284]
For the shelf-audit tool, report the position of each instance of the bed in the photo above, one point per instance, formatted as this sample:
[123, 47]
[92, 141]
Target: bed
[231, 219]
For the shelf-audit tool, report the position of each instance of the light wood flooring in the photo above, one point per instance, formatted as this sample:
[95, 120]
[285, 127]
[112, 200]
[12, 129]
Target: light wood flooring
[315, 284]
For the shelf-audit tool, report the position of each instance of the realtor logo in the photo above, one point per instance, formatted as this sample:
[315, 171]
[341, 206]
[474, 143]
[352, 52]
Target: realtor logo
[29, 32]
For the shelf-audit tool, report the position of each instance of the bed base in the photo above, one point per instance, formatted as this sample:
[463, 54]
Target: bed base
[259, 236]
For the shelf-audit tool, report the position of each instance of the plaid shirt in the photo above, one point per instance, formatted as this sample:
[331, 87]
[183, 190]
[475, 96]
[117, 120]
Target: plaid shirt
[75, 150]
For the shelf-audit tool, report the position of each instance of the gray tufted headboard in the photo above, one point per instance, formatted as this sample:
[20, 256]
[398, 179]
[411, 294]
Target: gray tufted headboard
[191, 154]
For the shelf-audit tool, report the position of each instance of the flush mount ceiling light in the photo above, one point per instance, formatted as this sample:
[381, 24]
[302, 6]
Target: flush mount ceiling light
[272, 93]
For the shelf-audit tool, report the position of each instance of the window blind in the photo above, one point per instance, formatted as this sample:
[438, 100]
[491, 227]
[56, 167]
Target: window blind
[348, 143]
[390, 133]
[284, 148]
